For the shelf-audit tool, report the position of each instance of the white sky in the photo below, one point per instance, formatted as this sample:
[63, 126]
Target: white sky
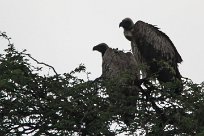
[62, 32]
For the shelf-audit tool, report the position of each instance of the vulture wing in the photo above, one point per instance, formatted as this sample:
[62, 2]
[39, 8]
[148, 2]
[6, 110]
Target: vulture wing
[115, 63]
[153, 43]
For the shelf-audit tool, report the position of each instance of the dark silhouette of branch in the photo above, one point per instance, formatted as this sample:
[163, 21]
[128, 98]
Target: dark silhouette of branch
[42, 63]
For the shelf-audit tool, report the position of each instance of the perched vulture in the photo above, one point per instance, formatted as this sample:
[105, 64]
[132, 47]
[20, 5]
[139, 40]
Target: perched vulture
[115, 63]
[153, 48]
[122, 68]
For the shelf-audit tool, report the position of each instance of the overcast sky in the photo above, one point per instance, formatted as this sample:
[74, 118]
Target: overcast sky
[62, 33]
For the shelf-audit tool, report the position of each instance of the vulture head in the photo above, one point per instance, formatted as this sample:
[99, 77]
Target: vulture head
[127, 24]
[102, 47]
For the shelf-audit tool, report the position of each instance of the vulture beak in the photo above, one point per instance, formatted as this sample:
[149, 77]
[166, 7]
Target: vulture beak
[94, 48]
[120, 25]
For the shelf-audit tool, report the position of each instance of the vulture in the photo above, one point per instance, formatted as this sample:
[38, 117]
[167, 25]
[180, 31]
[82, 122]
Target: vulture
[115, 63]
[122, 69]
[153, 48]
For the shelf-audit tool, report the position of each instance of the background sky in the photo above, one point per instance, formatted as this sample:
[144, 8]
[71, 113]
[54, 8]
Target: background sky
[62, 33]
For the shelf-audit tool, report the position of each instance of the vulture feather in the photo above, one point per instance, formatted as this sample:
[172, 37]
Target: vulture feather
[154, 48]
[115, 62]
[122, 68]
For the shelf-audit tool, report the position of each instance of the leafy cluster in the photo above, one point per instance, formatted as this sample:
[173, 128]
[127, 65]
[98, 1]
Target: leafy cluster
[63, 104]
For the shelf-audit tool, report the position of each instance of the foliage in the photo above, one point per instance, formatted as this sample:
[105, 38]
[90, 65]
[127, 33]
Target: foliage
[63, 104]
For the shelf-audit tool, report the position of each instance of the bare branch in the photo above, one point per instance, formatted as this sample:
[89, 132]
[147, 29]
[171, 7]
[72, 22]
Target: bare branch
[42, 63]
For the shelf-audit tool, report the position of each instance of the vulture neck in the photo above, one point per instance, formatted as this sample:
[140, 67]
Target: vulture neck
[128, 34]
[103, 52]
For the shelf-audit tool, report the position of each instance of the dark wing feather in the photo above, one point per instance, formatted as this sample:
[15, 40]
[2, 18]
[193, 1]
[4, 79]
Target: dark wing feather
[151, 36]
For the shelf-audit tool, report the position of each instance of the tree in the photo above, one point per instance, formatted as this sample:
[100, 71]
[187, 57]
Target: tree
[63, 104]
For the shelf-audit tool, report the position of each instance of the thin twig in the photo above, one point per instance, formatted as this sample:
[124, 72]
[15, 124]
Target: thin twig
[42, 63]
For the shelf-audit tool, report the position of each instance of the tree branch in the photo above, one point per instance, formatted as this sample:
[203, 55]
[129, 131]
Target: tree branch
[42, 63]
